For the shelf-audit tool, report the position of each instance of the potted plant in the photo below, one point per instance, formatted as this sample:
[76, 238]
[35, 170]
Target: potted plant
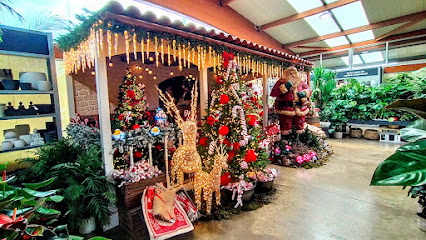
[265, 180]
[420, 193]
[322, 84]
[407, 166]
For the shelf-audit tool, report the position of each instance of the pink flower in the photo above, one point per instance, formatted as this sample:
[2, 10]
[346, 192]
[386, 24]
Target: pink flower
[243, 165]
[277, 151]
[299, 159]
[287, 147]
[313, 154]
[306, 157]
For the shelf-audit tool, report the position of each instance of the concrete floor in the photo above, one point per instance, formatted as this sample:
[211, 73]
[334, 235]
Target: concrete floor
[331, 202]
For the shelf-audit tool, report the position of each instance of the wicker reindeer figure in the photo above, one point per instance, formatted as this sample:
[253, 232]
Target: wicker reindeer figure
[209, 183]
[186, 158]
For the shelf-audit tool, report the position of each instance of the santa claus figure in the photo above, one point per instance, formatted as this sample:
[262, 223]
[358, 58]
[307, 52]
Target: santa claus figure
[291, 103]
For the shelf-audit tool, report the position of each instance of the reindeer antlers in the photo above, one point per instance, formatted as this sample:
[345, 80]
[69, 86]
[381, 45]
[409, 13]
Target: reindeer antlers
[170, 105]
[194, 101]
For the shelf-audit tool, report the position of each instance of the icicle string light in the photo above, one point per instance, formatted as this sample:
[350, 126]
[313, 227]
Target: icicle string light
[109, 42]
[142, 51]
[115, 43]
[162, 51]
[135, 44]
[127, 42]
[156, 50]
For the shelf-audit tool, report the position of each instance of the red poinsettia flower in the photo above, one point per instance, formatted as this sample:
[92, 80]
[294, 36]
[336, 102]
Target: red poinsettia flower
[261, 114]
[203, 141]
[251, 120]
[223, 130]
[231, 155]
[225, 179]
[219, 80]
[227, 142]
[250, 156]
[136, 126]
[236, 146]
[224, 99]
[130, 94]
[231, 56]
[137, 155]
[211, 120]
[121, 116]
[158, 147]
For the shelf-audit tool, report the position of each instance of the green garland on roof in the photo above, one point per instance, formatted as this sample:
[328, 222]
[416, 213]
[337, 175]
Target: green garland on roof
[82, 32]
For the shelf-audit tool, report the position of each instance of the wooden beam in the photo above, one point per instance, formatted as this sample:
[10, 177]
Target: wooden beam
[389, 22]
[157, 27]
[402, 36]
[404, 68]
[314, 48]
[399, 29]
[225, 2]
[381, 46]
[308, 13]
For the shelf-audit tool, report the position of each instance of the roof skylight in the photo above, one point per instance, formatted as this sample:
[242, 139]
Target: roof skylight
[351, 15]
[302, 6]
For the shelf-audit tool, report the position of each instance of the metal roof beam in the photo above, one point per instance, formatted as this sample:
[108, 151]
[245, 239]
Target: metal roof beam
[308, 13]
[385, 23]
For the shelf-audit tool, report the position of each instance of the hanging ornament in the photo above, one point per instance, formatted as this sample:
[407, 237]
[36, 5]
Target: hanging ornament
[126, 37]
[162, 51]
[135, 50]
[169, 61]
[156, 50]
[180, 57]
[142, 51]
[184, 55]
[174, 50]
[223, 130]
[224, 99]
[109, 38]
[147, 46]
[115, 43]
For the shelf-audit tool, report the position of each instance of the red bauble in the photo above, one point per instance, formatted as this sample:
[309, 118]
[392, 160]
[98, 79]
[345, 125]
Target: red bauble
[203, 141]
[137, 155]
[236, 146]
[250, 156]
[225, 179]
[224, 99]
[136, 126]
[130, 94]
[227, 142]
[219, 80]
[251, 120]
[261, 114]
[231, 56]
[231, 155]
[223, 130]
[158, 147]
[211, 120]
[129, 82]
[120, 117]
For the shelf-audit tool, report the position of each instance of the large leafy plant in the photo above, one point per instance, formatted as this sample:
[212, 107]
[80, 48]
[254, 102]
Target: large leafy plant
[323, 83]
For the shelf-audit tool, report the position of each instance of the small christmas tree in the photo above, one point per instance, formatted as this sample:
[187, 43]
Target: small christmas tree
[132, 106]
[231, 117]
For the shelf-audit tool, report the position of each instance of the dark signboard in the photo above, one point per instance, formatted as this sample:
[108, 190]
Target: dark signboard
[24, 41]
[358, 73]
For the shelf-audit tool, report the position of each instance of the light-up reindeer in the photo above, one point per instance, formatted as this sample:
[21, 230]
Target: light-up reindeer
[186, 158]
[209, 183]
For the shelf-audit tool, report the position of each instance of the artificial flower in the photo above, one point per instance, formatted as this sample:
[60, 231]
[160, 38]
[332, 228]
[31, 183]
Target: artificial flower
[223, 130]
[251, 119]
[138, 154]
[287, 147]
[231, 155]
[211, 120]
[129, 82]
[158, 147]
[227, 142]
[231, 56]
[136, 126]
[121, 116]
[236, 146]
[131, 94]
[261, 114]
[299, 159]
[155, 131]
[224, 99]
[203, 141]
[250, 156]
[225, 179]
[243, 165]
[306, 157]
[219, 80]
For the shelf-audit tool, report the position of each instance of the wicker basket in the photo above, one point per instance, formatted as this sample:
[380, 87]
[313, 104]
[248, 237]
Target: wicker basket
[355, 133]
[371, 134]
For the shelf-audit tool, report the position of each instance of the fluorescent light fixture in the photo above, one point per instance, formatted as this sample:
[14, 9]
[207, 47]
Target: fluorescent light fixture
[325, 15]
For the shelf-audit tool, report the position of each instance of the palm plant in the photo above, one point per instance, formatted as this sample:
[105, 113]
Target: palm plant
[323, 84]
[44, 21]
[5, 5]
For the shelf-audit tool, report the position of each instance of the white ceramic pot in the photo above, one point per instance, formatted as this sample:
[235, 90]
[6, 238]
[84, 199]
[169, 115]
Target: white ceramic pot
[32, 77]
[325, 124]
[44, 86]
[338, 135]
[10, 133]
[26, 138]
[87, 226]
[19, 143]
[421, 221]
[6, 145]
[2, 108]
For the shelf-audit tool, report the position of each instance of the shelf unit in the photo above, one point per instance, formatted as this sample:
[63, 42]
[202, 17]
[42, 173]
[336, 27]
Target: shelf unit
[19, 149]
[32, 45]
[15, 92]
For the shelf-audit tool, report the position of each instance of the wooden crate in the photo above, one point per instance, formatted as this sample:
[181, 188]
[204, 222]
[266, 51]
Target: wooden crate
[129, 195]
[133, 222]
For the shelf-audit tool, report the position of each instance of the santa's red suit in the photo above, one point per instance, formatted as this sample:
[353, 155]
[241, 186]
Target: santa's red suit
[291, 103]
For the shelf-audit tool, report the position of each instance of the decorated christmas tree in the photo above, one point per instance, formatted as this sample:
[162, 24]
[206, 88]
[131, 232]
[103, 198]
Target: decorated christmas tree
[132, 106]
[234, 116]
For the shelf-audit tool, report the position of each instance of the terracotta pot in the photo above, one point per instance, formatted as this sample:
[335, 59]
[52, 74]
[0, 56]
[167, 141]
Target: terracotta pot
[264, 187]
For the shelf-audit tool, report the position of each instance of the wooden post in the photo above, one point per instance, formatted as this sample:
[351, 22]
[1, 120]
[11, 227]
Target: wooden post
[166, 159]
[265, 102]
[204, 90]
[103, 109]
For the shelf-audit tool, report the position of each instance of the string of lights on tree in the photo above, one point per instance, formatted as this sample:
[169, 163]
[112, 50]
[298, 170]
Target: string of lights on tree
[168, 50]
